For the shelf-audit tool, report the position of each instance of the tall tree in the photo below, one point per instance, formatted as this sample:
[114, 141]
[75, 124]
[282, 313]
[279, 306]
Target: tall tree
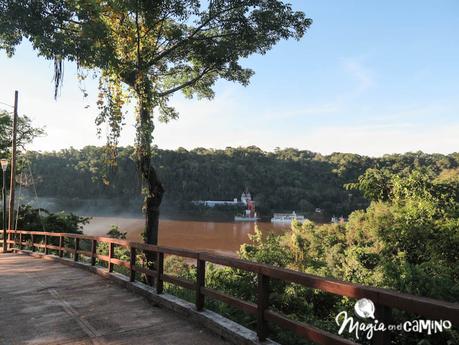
[25, 132]
[149, 50]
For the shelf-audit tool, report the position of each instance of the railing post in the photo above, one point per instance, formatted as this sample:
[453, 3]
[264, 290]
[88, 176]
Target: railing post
[61, 246]
[132, 264]
[93, 252]
[31, 239]
[262, 305]
[46, 244]
[77, 247]
[200, 283]
[110, 256]
[382, 314]
[20, 241]
[160, 271]
[14, 238]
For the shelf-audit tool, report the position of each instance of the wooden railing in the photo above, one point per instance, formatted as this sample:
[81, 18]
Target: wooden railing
[384, 299]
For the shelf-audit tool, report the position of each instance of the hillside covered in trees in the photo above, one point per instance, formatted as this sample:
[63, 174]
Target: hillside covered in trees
[283, 180]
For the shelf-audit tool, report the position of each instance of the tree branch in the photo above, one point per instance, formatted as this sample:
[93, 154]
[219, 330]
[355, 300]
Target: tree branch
[186, 84]
[193, 33]
[139, 57]
[73, 21]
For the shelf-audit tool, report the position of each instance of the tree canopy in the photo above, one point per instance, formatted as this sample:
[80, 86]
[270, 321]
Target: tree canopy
[25, 132]
[283, 180]
[154, 48]
[148, 50]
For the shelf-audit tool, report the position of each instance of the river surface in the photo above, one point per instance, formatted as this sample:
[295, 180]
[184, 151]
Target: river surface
[219, 237]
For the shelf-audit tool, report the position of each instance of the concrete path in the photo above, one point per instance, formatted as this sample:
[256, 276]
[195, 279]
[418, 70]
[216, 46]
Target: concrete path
[44, 302]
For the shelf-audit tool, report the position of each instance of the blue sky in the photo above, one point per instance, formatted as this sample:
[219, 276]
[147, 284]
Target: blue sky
[369, 77]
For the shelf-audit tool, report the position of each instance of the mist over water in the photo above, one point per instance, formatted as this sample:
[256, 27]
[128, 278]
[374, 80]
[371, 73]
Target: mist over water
[103, 207]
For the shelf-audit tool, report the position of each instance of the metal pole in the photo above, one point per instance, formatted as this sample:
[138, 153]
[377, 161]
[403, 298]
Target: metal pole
[13, 162]
[4, 211]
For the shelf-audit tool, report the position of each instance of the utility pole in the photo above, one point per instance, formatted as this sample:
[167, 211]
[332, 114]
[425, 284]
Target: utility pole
[13, 163]
[4, 163]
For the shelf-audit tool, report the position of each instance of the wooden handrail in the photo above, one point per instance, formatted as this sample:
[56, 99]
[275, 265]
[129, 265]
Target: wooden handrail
[384, 299]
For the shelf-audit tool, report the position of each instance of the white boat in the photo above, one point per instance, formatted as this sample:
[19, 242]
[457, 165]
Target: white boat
[245, 219]
[287, 218]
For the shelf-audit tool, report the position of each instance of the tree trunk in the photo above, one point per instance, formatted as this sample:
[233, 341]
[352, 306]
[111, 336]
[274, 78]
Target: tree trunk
[152, 188]
[152, 203]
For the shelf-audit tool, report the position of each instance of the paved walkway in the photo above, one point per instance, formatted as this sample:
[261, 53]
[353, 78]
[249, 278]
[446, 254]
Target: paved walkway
[45, 302]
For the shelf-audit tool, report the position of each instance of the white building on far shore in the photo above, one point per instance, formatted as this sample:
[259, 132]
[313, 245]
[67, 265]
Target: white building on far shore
[245, 198]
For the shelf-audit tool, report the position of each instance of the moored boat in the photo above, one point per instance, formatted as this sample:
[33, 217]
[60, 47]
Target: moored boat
[246, 218]
[287, 218]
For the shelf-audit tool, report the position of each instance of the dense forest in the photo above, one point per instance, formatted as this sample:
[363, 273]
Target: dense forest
[283, 180]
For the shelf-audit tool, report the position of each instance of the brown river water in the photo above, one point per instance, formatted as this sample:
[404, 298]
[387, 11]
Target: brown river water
[223, 238]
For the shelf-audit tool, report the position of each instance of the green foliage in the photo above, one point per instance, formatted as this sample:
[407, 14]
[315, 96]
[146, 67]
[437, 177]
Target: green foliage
[374, 184]
[25, 135]
[116, 233]
[265, 250]
[40, 219]
[283, 180]
[407, 242]
[25, 132]
[155, 48]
